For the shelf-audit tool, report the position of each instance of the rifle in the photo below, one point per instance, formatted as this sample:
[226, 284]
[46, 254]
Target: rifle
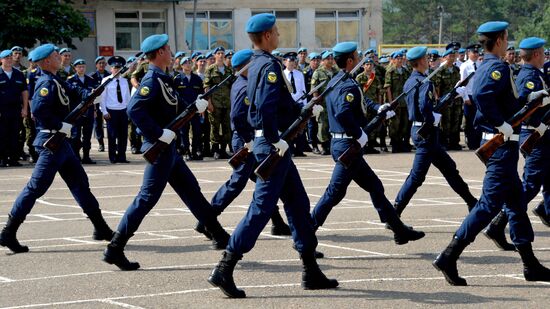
[182, 119]
[485, 152]
[425, 130]
[346, 158]
[266, 168]
[531, 141]
[54, 142]
[240, 156]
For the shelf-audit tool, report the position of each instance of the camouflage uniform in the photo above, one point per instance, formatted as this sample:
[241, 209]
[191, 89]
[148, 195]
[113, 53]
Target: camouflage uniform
[220, 123]
[65, 75]
[451, 116]
[399, 125]
[320, 75]
[140, 71]
[373, 93]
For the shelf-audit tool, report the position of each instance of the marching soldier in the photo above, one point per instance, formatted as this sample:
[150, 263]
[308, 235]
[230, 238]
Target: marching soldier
[152, 107]
[396, 75]
[98, 76]
[494, 93]
[272, 109]
[66, 69]
[50, 104]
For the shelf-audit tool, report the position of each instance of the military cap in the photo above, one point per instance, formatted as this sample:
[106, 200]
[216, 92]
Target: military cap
[290, 56]
[510, 48]
[403, 51]
[154, 42]
[5, 53]
[434, 52]
[241, 57]
[452, 45]
[17, 48]
[42, 52]
[396, 54]
[314, 56]
[276, 53]
[131, 59]
[195, 54]
[79, 61]
[416, 53]
[64, 50]
[532, 43]
[449, 52]
[98, 59]
[492, 26]
[369, 51]
[116, 61]
[462, 50]
[208, 55]
[184, 60]
[369, 60]
[260, 22]
[326, 54]
[344, 48]
[217, 49]
[302, 50]
[179, 54]
[229, 52]
[473, 47]
[384, 60]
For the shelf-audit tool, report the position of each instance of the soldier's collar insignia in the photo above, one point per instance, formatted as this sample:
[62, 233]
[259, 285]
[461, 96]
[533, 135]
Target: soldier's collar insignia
[246, 101]
[272, 77]
[496, 75]
[144, 91]
[349, 97]
[44, 92]
[530, 85]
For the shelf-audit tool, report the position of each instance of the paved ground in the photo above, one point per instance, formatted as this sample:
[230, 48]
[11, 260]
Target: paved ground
[64, 267]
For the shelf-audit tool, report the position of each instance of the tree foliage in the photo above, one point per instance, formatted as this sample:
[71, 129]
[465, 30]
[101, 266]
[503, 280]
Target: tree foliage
[412, 22]
[27, 22]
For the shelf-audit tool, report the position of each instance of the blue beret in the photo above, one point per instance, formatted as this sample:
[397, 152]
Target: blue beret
[184, 60]
[131, 59]
[17, 48]
[461, 50]
[99, 59]
[229, 52]
[434, 52]
[314, 56]
[276, 53]
[217, 49]
[326, 54]
[384, 60]
[532, 43]
[199, 57]
[154, 42]
[195, 54]
[369, 60]
[260, 22]
[5, 53]
[64, 50]
[180, 54]
[449, 51]
[116, 61]
[302, 50]
[79, 61]
[241, 57]
[403, 51]
[344, 48]
[416, 53]
[42, 52]
[492, 26]
[369, 51]
[396, 54]
[208, 55]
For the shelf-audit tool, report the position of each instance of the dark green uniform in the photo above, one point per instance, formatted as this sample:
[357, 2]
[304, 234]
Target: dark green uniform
[451, 117]
[64, 75]
[220, 123]
[399, 125]
[320, 75]
[374, 92]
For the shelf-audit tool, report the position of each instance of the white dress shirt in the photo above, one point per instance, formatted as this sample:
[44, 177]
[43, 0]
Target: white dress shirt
[465, 69]
[299, 84]
[109, 98]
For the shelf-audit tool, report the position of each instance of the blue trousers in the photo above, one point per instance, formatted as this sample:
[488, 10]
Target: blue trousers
[195, 125]
[285, 183]
[10, 123]
[473, 135]
[98, 124]
[117, 134]
[536, 173]
[70, 169]
[81, 134]
[502, 188]
[428, 152]
[168, 168]
[362, 174]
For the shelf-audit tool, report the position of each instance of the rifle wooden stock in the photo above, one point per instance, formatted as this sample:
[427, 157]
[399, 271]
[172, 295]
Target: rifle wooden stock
[485, 152]
[266, 168]
[530, 143]
[239, 157]
[347, 157]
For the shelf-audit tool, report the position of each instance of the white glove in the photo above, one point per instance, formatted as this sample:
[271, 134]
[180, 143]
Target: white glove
[506, 129]
[541, 129]
[66, 128]
[537, 94]
[282, 146]
[201, 105]
[316, 110]
[249, 145]
[167, 136]
[384, 107]
[363, 139]
[545, 101]
[437, 118]
[390, 114]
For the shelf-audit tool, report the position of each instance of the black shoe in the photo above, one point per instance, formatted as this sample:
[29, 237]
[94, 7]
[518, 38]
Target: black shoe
[102, 231]
[280, 230]
[402, 233]
[299, 154]
[384, 149]
[312, 276]
[222, 155]
[220, 238]
[196, 157]
[399, 209]
[187, 157]
[113, 161]
[217, 156]
[8, 236]
[446, 262]
[134, 150]
[13, 163]
[222, 276]
[315, 150]
[87, 160]
[201, 229]
[114, 254]
[532, 269]
[495, 232]
[541, 213]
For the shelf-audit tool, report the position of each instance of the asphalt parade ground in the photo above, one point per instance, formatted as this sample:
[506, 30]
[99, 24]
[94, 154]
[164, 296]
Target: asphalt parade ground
[64, 268]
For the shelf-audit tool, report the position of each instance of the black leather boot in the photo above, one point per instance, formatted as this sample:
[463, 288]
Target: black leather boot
[278, 225]
[222, 275]
[312, 276]
[446, 262]
[114, 254]
[8, 236]
[220, 238]
[86, 157]
[402, 233]
[102, 231]
[201, 229]
[540, 212]
[495, 232]
[532, 268]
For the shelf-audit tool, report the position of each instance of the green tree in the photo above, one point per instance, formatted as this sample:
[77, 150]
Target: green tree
[26, 22]
[538, 26]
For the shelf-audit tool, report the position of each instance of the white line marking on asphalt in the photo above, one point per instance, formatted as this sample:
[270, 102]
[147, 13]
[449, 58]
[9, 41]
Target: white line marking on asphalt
[446, 221]
[80, 240]
[49, 218]
[4, 279]
[123, 305]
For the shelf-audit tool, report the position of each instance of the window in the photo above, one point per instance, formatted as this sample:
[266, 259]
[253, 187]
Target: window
[133, 27]
[287, 24]
[212, 29]
[332, 27]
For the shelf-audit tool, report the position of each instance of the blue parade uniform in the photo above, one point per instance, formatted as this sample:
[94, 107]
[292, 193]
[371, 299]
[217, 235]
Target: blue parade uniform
[190, 89]
[11, 104]
[98, 123]
[82, 130]
[32, 78]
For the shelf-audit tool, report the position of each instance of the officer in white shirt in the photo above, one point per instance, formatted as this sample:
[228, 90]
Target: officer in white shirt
[473, 136]
[296, 79]
[113, 106]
